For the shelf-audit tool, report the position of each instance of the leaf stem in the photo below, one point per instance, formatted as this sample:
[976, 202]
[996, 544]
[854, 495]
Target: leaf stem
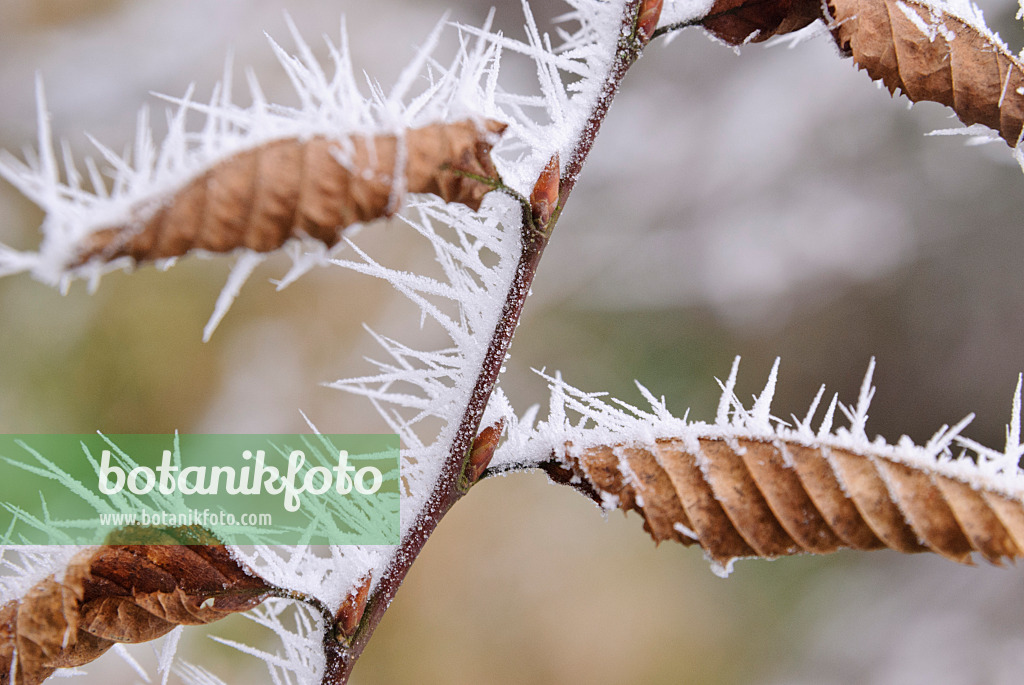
[679, 26]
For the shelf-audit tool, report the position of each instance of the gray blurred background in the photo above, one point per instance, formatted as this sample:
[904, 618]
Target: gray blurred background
[769, 204]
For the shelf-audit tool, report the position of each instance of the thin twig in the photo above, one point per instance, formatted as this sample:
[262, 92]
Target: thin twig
[341, 658]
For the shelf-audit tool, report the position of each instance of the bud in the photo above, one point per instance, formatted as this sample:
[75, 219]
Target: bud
[351, 611]
[650, 13]
[544, 197]
[482, 451]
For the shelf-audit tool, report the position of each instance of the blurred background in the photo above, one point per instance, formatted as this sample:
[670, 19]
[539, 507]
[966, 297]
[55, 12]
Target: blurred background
[771, 203]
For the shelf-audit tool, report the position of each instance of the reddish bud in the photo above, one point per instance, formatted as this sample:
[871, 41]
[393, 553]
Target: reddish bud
[482, 451]
[650, 13]
[544, 197]
[351, 611]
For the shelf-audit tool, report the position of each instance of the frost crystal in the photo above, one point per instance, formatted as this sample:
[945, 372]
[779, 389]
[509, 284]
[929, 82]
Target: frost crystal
[683, 11]
[414, 389]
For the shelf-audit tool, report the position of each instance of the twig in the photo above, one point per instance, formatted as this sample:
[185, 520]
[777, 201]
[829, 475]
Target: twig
[341, 658]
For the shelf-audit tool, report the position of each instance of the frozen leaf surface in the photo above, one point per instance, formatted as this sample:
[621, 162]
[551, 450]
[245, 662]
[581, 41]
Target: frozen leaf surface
[749, 485]
[752, 498]
[284, 189]
[261, 177]
[742, 21]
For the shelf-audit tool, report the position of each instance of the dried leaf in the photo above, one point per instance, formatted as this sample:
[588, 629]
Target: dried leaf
[923, 51]
[260, 198]
[746, 498]
[932, 55]
[752, 21]
[121, 593]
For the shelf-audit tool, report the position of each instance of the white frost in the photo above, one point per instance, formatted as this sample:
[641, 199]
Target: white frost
[683, 11]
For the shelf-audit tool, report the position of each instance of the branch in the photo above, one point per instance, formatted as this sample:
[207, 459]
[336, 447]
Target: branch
[535, 231]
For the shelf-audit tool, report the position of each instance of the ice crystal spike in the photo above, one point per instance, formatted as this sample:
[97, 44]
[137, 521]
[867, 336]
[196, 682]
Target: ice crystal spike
[415, 388]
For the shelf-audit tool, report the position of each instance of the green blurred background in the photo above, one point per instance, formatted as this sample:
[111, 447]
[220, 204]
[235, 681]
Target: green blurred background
[770, 204]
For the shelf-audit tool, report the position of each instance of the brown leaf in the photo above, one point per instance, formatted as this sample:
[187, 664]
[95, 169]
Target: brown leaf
[746, 498]
[752, 21]
[952, 62]
[121, 593]
[260, 198]
[925, 53]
